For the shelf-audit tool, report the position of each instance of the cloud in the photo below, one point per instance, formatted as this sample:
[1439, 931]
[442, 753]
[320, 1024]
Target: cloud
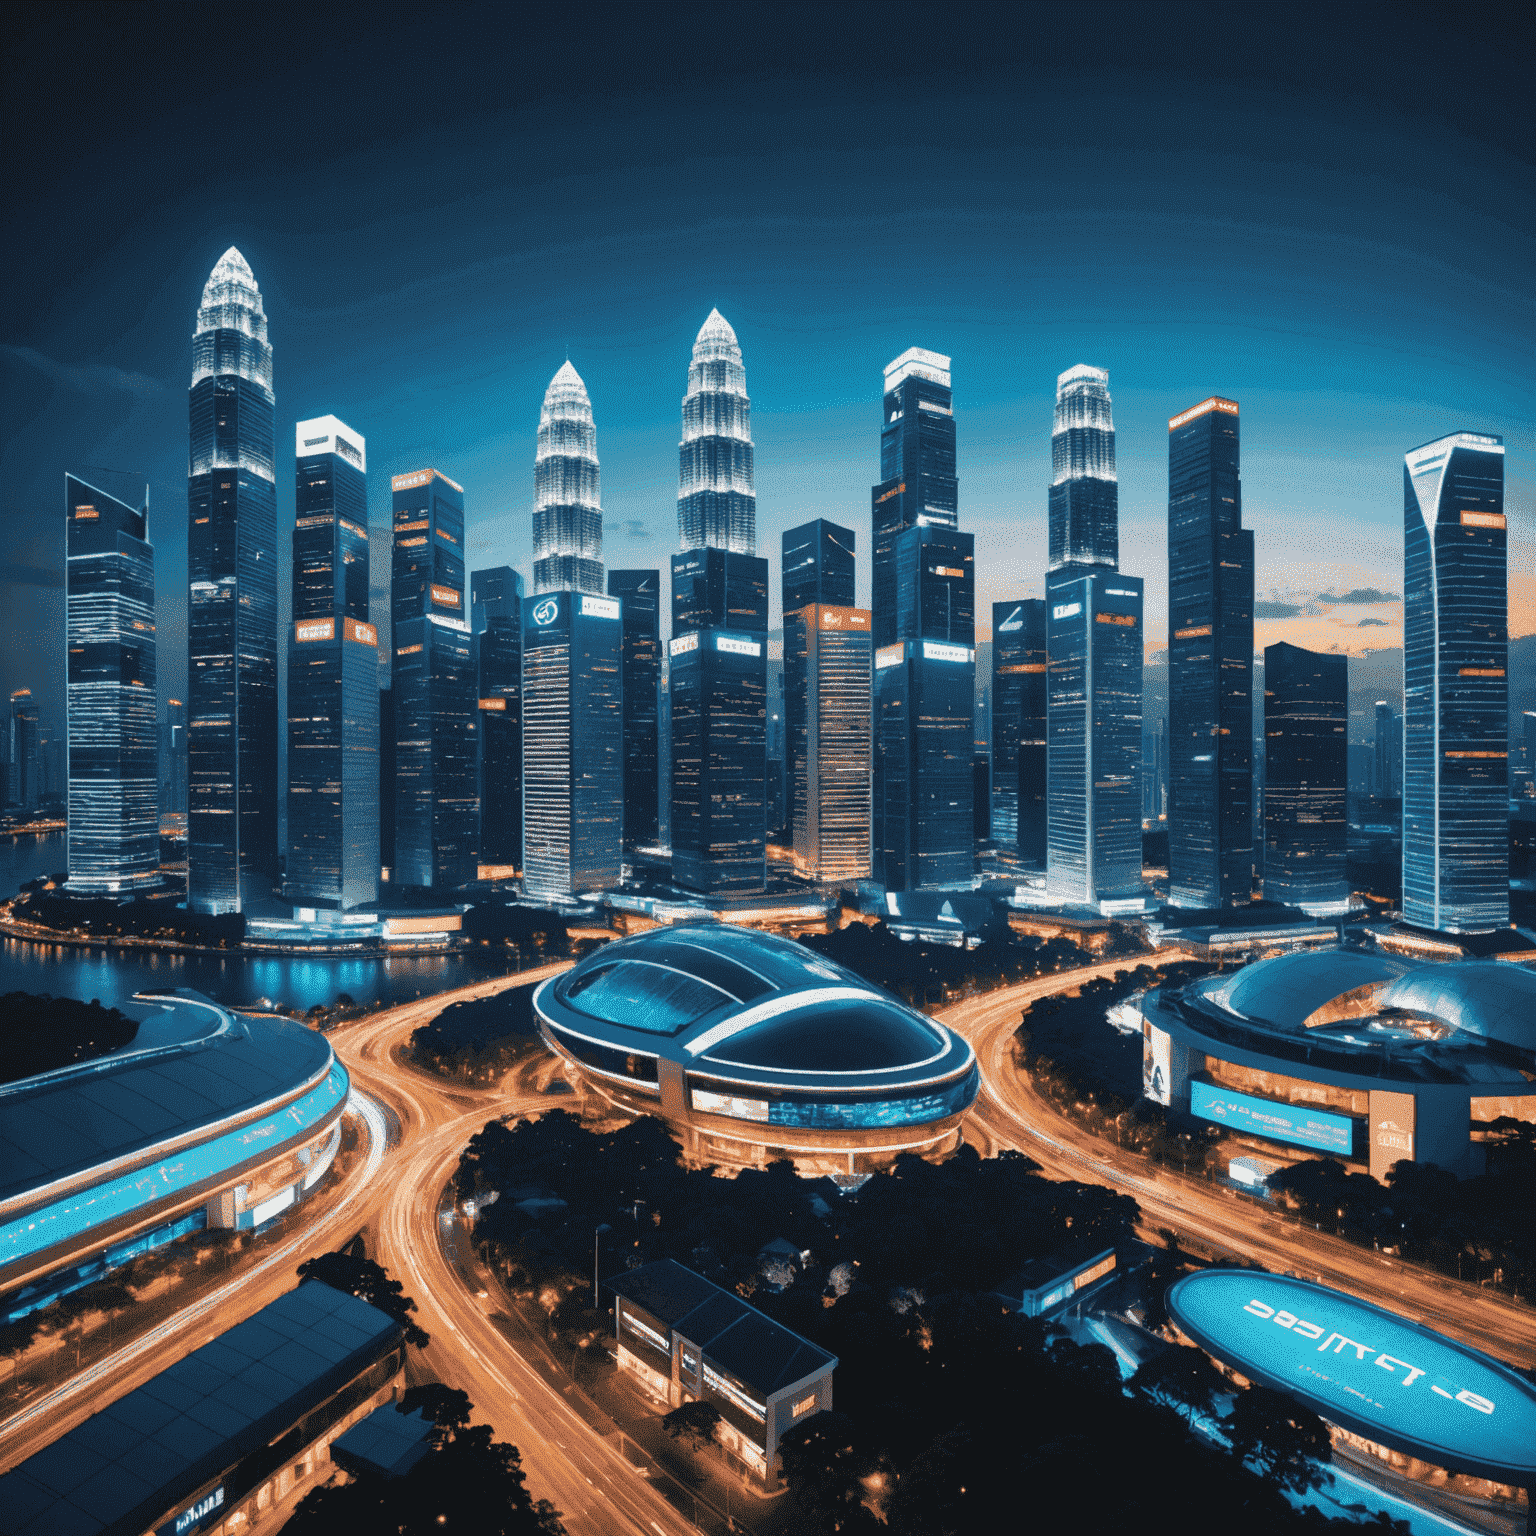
[631, 528]
[1265, 608]
[1363, 622]
[1359, 595]
[88, 378]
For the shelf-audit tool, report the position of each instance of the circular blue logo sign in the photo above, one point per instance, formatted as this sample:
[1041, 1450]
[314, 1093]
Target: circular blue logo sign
[547, 611]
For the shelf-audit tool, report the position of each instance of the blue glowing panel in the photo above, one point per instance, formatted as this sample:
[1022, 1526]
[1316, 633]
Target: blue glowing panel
[1299, 1124]
[101, 1203]
[1366, 1369]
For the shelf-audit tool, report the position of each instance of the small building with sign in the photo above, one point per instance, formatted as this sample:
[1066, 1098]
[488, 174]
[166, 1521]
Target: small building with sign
[1043, 1285]
[685, 1339]
[223, 1437]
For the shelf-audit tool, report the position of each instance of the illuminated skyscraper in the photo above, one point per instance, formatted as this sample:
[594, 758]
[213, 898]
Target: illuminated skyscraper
[1210, 663]
[333, 677]
[716, 501]
[1029, 646]
[232, 599]
[1012, 674]
[1455, 691]
[437, 812]
[1387, 760]
[25, 766]
[1306, 768]
[1085, 499]
[114, 794]
[496, 608]
[567, 508]
[640, 593]
[173, 759]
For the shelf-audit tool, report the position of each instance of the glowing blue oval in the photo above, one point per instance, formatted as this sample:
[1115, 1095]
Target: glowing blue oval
[1365, 1369]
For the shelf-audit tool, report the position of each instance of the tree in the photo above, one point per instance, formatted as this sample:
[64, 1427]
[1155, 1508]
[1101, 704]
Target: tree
[349, 1271]
[1279, 1438]
[1181, 1378]
[446, 1407]
[694, 1423]
[825, 1461]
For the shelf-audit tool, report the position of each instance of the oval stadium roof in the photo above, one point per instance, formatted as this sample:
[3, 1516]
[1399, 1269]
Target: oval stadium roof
[1491, 998]
[1287, 990]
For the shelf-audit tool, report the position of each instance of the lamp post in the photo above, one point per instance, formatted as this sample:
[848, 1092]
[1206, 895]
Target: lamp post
[604, 1227]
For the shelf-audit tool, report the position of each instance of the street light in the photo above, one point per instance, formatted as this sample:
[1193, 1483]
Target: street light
[597, 1234]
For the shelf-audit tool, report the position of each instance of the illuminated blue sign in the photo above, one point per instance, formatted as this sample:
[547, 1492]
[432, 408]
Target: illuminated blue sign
[547, 612]
[1366, 1369]
[1299, 1124]
[194, 1516]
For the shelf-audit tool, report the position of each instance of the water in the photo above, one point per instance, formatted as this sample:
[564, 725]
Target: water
[296, 981]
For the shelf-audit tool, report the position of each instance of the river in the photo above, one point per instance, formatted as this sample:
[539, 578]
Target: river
[296, 981]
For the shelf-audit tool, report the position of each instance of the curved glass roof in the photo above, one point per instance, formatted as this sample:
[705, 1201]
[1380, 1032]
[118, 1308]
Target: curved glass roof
[1491, 998]
[639, 995]
[1287, 990]
[839, 1037]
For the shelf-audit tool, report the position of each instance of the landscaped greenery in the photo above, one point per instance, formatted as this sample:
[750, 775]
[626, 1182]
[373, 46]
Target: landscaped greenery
[478, 1040]
[41, 1033]
[132, 919]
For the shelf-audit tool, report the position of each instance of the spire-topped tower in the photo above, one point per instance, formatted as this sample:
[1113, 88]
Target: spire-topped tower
[567, 510]
[1084, 503]
[716, 499]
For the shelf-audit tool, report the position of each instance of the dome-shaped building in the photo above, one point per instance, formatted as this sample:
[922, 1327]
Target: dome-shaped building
[753, 1047]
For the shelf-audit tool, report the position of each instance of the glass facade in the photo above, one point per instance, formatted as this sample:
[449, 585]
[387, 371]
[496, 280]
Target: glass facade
[742, 1102]
[833, 762]
[1018, 685]
[1455, 687]
[1306, 763]
[1387, 759]
[573, 744]
[1210, 663]
[718, 589]
[567, 509]
[716, 499]
[1084, 502]
[437, 811]
[640, 593]
[24, 760]
[173, 758]
[496, 608]
[232, 598]
[114, 795]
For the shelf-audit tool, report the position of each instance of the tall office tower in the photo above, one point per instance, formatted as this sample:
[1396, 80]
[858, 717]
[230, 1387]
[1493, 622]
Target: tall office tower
[926, 687]
[333, 677]
[1084, 501]
[836, 762]
[24, 787]
[232, 599]
[816, 566]
[1306, 754]
[437, 812]
[1387, 759]
[1015, 666]
[640, 593]
[917, 485]
[1032, 704]
[386, 786]
[1455, 691]
[496, 615]
[573, 744]
[567, 509]
[1529, 742]
[173, 759]
[1210, 663]
[716, 501]
[715, 588]
[114, 793]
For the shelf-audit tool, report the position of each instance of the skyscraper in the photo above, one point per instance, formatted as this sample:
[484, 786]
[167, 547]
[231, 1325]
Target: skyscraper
[496, 609]
[1306, 754]
[1455, 691]
[835, 764]
[716, 496]
[640, 593]
[333, 677]
[173, 759]
[1387, 758]
[1010, 661]
[232, 599]
[24, 785]
[1210, 662]
[1029, 645]
[1085, 497]
[114, 797]
[917, 485]
[567, 508]
[437, 813]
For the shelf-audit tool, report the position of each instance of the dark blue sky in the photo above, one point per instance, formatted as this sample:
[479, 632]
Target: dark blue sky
[1327, 215]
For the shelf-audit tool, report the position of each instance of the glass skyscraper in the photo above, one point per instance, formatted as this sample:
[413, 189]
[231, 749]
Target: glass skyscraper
[1387, 760]
[333, 677]
[437, 811]
[1085, 496]
[1306, 770]
[232, 599]
[1017, 671]
[24, 768]
[1210, 663]
[1033, 703]
[716, 495]
[1455, 687]
[567, 508]
[114, 792]
[173, 759]
[496, 614]
[640, 593]
[917, 485]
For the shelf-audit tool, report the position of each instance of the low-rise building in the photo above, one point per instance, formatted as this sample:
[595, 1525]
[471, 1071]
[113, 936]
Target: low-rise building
[1045, 1284]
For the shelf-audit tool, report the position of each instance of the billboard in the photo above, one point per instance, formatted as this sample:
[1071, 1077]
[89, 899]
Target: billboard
[1366, 1369]
[1300, 1124]
[1155, 1079]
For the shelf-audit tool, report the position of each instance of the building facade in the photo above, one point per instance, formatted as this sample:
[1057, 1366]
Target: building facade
[1455, 687]
[24, 762]
[1011, 660]
[716, 494]
[173, 759]
[567, 505]
[1306, 754]
[640, 593]
[114, 793]
[496, 615]
[232, 726]
[437, 813]
[1085, 495]
[1387, 753]
[1210, 662]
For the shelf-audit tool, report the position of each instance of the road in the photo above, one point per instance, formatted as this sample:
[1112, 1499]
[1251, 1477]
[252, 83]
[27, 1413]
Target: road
[1010, 1114]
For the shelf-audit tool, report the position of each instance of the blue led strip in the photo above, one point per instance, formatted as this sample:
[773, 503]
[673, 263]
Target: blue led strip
[103, 1203]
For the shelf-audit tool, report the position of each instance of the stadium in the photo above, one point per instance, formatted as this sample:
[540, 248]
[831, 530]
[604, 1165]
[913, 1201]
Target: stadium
[752, 1047]
[1362, 1057]
[202, 1120]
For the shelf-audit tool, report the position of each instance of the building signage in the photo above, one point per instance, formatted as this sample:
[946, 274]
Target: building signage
[683, 644]
[600, 607]
[1155, 1069]
[364, 634]
[934, 650]
[315, 629]
[421, 477]
[1066, 610]
[1299, 1124]
[842, 618]
[545, 613]
[1015, 620]
[493, 703]
[1374, 1373]
[194, 1516]
[1203, 409]
[445, 595]
[890, 655]
[737, 647]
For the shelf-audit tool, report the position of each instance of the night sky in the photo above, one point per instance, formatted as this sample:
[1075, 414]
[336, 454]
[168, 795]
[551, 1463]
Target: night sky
[1327, 216]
